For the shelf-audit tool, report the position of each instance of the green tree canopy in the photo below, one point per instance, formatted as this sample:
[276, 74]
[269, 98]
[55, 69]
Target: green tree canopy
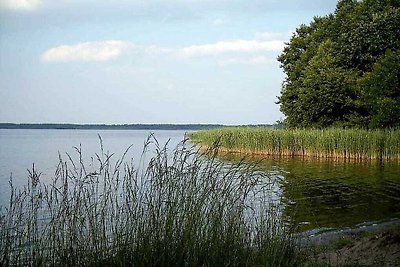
[343, 68]
[382, 91]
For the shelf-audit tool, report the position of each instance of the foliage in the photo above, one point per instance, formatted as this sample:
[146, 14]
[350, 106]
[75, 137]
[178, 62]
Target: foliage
[382, 90]
[332, 63]
[330, 143]
[184, 209]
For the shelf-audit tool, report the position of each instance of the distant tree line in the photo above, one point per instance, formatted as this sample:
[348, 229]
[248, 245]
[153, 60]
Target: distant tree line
[108, 126]
[119, 126]
[344, 68]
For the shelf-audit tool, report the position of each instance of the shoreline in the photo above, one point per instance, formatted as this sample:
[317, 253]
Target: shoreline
[325, 236]
[375, 243]
[360, 144]
[295, 155]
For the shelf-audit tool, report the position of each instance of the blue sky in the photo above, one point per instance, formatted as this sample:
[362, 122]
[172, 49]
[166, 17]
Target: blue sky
[170, 61]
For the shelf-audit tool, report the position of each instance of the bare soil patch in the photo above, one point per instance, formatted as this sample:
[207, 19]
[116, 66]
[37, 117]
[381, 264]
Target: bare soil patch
[379, 250]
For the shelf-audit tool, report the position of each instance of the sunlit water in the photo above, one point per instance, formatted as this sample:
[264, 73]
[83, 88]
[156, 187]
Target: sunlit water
[315, 193]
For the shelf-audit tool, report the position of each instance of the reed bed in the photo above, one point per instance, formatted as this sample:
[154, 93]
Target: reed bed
[326, 143]
[181, 208]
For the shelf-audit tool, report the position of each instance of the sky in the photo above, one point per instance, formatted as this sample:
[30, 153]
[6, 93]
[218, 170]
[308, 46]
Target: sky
[147, 61]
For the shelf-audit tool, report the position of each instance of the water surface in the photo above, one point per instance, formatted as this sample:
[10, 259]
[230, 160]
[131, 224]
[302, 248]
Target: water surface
[20, 148]
[323, 193]
[315, 193]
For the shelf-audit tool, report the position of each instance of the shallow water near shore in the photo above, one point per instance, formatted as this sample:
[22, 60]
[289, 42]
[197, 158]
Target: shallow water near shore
[315, 193]
[326, 193]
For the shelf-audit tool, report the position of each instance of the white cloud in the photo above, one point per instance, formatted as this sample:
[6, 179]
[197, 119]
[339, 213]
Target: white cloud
[21, 4]
[235, 46]
[221, 48]
[236, 51]
[89, 51]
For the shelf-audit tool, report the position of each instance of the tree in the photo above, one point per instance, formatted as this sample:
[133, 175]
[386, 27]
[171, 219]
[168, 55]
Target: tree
[330, 63]
[382, 91]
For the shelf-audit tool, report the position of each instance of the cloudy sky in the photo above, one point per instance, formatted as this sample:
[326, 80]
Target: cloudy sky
[146, 61]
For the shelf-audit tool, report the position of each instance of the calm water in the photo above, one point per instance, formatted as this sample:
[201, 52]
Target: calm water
[332, 193]
[19, 149]
[316, 193]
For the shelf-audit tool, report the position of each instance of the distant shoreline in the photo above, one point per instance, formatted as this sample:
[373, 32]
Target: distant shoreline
[57, 126]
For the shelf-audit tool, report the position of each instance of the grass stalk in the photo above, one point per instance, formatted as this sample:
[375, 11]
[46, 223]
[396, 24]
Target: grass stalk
[326, 143]
[185, 208]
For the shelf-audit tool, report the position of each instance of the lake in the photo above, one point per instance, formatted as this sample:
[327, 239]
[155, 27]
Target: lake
[327, 193]
[20, 148]
[315, 193]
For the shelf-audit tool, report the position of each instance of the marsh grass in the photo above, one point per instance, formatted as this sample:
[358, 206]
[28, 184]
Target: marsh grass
[180, 208]
[326, 143]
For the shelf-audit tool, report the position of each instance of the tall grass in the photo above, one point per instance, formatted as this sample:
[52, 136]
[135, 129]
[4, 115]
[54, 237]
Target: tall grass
[184, 208]
[332, 143]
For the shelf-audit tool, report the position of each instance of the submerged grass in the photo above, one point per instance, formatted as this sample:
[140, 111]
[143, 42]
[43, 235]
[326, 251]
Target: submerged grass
[326, 143]
[184, 208]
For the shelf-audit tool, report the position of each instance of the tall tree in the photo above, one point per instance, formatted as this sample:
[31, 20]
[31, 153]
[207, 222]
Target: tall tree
[382, 91]
[332, 63]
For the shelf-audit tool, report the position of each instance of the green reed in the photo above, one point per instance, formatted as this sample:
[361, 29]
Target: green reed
[332, 143]
[181, 208]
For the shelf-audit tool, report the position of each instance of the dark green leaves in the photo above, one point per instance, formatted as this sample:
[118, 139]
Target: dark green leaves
[337, 66]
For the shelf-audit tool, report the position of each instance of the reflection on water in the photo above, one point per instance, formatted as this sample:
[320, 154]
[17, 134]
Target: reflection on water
[315, 193]
[331, 193]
